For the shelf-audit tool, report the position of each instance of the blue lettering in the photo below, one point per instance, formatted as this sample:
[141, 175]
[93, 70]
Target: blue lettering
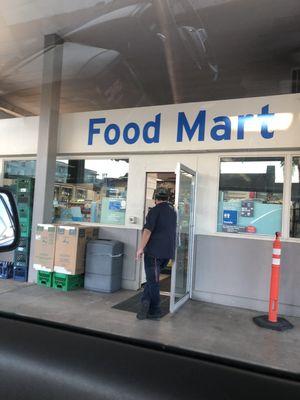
[226, 128]
[94, 131]
[136, 135]
[152, 124]
[266, 117]
[241, 125]
[109, 128]
[190, 131]
[186, 129]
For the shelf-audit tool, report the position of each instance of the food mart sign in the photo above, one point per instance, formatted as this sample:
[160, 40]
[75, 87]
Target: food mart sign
[254, 123]
[233, 124]
[192, 130]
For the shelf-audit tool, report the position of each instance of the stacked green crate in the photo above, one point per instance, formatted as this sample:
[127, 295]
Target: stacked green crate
[24, 198]
[45, 278]
[67, 282]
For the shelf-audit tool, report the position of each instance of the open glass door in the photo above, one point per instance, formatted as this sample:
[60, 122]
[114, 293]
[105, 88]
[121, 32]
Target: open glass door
[181, 270]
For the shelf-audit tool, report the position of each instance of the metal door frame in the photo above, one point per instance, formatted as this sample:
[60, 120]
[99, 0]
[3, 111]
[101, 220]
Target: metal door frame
[175, 306]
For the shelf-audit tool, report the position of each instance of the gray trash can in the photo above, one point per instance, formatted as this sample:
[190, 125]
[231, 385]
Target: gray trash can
[103, 266]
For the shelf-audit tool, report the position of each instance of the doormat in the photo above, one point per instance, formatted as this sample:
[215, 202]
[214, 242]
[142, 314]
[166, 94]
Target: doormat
[133, 304]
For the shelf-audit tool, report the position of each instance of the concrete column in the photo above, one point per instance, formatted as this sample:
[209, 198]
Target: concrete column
[47, 140]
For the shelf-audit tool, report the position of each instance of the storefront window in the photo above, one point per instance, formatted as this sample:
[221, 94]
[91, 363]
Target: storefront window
[18, 169]
[15, 168]
[250, 195]
[295, 200]
[91, 191]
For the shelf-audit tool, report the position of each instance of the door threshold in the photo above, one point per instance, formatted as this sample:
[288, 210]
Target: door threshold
[165, 294]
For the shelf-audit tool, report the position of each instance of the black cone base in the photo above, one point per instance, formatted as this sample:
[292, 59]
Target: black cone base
[281, 325]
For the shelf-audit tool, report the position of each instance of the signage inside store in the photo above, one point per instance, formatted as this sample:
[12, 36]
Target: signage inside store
[221, 128]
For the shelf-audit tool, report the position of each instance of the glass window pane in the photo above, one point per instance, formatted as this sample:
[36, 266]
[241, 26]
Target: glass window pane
[16, 171]
[250, 195]
[185, 199]
[295, 201]
[16, 168]
[91, 191]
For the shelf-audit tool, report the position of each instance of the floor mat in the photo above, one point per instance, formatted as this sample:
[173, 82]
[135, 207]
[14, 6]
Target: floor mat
[133, 304]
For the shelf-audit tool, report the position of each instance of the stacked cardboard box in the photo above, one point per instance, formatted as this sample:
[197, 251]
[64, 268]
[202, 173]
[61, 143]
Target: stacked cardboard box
[60, 254]
[44, 249]
[70, 248]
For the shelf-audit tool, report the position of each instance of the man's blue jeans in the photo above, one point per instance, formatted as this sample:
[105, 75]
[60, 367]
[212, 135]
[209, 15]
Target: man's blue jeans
[151, 288]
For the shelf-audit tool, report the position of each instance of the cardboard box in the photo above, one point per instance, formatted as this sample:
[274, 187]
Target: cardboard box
[70, 248]
[44, 248]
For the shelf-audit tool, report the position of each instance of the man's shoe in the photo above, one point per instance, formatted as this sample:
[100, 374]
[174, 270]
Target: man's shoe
[142, 314]
[156, 315]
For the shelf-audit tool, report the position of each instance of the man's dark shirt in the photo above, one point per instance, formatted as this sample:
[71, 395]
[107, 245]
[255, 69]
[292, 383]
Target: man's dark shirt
[161, 221]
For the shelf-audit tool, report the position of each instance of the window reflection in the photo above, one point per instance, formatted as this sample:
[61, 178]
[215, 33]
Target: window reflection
[91, 191]
[85, 190]
[132, 53]
[250, 195]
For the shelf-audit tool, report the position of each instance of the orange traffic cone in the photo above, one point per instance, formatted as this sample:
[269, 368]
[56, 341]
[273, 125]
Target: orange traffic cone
[272, 321]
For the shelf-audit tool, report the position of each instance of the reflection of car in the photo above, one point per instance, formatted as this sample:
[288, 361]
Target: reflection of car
[193, 37]
[92, 79]
[9, 222]
[134, 54]
[161, 40]
[6, 230]
[6, 236]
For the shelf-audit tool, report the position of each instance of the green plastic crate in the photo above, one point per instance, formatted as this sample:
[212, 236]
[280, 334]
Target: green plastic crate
[67, 282]
[20, 256]
[24, 246]
[24, 211]
[25, 221]
[24, 198]
[25, 228]
[45, 278]
[25, 185]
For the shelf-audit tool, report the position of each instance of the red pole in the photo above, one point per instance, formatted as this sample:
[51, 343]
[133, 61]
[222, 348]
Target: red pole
[275, 278]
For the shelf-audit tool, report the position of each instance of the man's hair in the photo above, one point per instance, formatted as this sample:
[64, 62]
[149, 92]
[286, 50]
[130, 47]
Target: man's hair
[162, 194]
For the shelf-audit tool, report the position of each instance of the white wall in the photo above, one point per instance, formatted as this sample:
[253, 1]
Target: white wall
[206, 193]
[19, 136]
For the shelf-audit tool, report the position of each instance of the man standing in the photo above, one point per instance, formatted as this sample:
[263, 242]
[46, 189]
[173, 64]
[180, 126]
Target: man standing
[158, 246]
